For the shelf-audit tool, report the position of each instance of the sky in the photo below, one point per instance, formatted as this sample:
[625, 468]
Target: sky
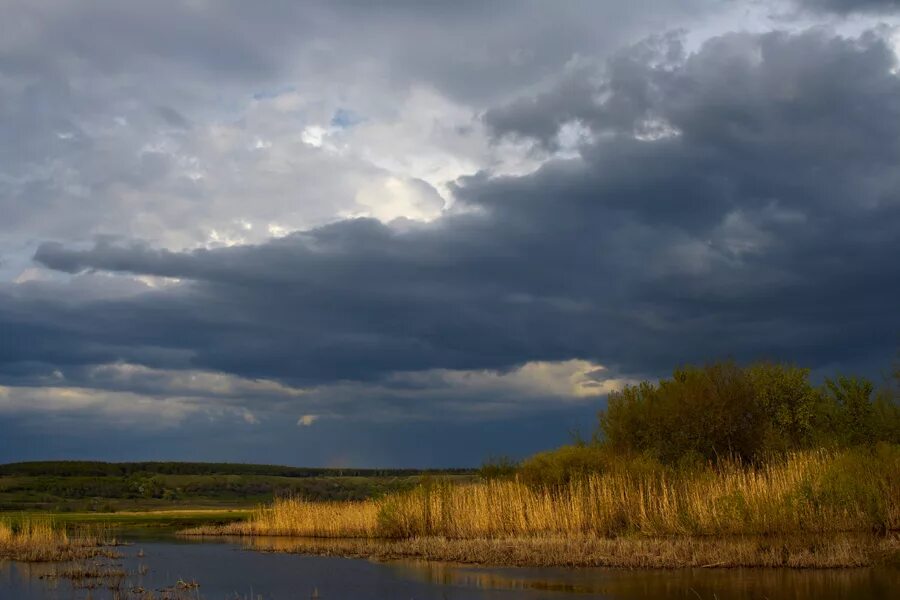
[415, 234]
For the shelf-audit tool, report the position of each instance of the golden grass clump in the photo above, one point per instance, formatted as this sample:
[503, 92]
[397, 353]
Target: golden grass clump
[37, 539]
[297, 517]
[31, 539]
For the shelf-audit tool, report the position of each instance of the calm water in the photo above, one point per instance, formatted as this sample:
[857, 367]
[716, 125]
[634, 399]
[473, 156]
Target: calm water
[226, 571]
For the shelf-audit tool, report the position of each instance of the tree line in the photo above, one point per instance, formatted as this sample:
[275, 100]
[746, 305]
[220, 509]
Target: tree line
[76, 468]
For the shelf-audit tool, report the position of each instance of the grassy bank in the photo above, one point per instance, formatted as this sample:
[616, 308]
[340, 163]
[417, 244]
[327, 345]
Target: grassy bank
[798, 551]
[629, 515]
[142, 521]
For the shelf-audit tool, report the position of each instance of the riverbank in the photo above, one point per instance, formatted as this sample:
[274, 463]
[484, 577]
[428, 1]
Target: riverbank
[800, 552]
[807, 509]
[806, 492]
[55, 537]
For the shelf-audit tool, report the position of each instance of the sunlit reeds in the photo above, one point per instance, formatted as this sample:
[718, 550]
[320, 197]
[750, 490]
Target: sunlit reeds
[38, 539]
[297, 517]
[809, 492]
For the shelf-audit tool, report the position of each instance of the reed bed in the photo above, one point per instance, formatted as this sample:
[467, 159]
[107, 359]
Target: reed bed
[809, 492]
[297, 517]
[38, 539]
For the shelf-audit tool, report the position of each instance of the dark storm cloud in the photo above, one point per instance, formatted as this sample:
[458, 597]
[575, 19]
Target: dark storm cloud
[362, 444]
[848, 6]
[741, 201]
[604, 98]
[467, 49]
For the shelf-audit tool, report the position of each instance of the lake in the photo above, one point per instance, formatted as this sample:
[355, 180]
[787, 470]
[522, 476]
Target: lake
[228, 570]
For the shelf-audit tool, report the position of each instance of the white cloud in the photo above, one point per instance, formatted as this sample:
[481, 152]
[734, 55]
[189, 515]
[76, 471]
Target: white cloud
[149, 398]
[569, 380]
[307, 420]
[392, 198]
[123, 408]
[188, 382]
[470, 394]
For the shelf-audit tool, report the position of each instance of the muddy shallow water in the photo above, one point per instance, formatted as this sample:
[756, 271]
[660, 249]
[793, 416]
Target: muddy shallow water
[228, 570]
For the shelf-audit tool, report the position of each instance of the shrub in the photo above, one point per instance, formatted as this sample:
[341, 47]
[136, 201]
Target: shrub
[788, 402]
[498, 467]
[558, 467]
[706, 411]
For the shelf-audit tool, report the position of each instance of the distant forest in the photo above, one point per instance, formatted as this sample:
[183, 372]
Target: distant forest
[77, 468]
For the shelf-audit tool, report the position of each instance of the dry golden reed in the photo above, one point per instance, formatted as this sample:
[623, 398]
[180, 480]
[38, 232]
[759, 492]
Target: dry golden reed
[297, 517]
[817, 492]
[31, 539]
[37, 539]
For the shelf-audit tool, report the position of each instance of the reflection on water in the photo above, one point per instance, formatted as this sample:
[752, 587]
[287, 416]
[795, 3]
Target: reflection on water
[228, 571]
[676, 583]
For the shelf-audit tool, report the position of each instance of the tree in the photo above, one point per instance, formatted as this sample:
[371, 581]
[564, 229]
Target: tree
[708, 411]
[788, 401]
[852, 415]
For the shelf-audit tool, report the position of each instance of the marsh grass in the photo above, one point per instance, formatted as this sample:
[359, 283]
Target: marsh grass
[39, 539]
[808, 492]
[119, 582]
[294, 516]
[808, 509]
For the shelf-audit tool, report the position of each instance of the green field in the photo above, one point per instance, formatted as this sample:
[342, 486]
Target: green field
[144, 521]
[86, 488]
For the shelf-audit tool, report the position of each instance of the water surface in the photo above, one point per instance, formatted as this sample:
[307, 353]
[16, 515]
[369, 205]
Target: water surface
[227, 570]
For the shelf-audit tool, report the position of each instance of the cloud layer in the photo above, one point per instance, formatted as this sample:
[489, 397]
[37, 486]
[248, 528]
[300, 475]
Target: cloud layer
[501, 242]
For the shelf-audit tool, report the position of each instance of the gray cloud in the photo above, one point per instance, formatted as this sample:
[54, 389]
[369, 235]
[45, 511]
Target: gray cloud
[758, 227]
[848, 6]
[637, 208]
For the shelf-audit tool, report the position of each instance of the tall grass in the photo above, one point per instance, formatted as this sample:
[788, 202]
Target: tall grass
[31, 539]
[809, 492]
[39, 539]
[296, 517]
[814, 491]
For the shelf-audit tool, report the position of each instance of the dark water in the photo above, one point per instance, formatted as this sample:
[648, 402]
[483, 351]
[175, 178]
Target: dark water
[228, 571]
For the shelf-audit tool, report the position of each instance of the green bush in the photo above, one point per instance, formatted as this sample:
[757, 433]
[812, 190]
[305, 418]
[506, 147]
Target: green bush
[788, 403]
[707, 411]
[704, 413]
[557, 467]
[498, 467]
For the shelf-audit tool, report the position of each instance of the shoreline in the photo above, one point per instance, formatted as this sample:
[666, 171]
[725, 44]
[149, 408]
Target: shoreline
[814, 551]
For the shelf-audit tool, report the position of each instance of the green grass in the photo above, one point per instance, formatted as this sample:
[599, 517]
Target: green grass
[142, 520]
[85, 487]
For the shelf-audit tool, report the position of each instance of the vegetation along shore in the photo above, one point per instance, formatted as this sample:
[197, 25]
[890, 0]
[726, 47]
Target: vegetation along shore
[721, 465]
[40, 539]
